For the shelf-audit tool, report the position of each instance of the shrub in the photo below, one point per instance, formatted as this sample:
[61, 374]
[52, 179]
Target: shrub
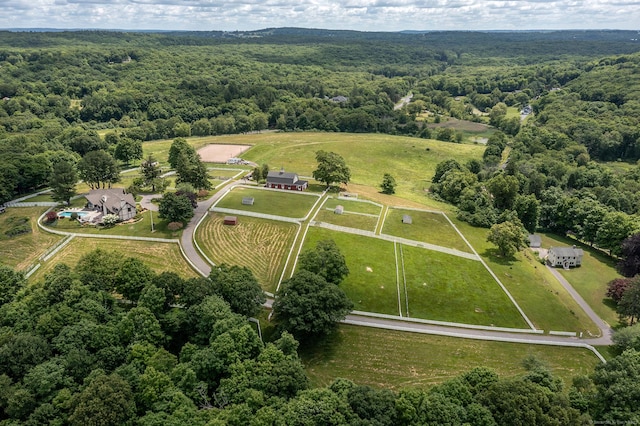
[74, 216]
[109, 220]
[203, 193]
[174, 226]
[51, 216]
[18, 230]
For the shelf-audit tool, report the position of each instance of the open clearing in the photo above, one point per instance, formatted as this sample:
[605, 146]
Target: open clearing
[439, 286]
[393, 359]
[23, 250]
[259, 244]
[293, 204]
[158, 256]
[220, 153]
[356, 214]
[428, 227]
[411, 161]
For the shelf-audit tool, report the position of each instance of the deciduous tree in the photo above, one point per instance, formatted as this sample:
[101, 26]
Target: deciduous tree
[331, 168]
[63, 181]
[238, 286]
[175, 208]
[509, 236]
[388, 184]
[325, 260]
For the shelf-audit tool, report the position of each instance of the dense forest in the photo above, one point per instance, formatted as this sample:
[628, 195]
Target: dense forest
[183, 352]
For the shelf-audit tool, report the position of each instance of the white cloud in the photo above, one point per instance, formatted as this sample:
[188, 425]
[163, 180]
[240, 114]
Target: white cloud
[366, 15]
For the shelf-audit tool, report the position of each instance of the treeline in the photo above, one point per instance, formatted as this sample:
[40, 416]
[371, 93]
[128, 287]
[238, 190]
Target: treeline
[177, 351]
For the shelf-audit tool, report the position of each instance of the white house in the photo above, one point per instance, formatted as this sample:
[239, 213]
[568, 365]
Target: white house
[566, 257]
[112, 201]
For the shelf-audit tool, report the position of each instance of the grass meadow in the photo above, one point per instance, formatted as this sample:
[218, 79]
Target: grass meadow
[393, 359]
[590, 279]
[259, 244]
[20, 251]
[539, 294]
[353, 206]
[428, 227]
[448, 288]
[411, 161]
[158, 256]
[373, 289]
[289, 204]
[348, 219]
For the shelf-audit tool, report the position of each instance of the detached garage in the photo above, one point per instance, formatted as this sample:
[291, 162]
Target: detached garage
[230, 220]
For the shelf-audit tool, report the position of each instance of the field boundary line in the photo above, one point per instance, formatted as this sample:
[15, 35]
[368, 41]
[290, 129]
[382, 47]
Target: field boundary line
[381, 219]
[404, 279]
[57, 248]
[258, 215]
[286, 263]
[32, 270]
[495, 277]
[395, 255]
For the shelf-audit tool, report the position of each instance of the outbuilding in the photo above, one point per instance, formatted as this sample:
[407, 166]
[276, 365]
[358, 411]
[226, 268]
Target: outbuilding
[247, 201]
[230, 220]
[566, 257]
[406, 219]
[338, 210]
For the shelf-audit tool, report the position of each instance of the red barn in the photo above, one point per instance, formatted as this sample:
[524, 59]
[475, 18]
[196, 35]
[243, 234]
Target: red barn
[230, 220]
[284, 180]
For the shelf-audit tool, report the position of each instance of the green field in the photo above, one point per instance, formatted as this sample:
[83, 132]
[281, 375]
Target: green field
[373, 289]
[428, 227]
[590, 280]
[411, 161]
[291, 204]
[223, 173]
[448, 288]
[259, 244]
[539, 294]
[350, 220]
[158, 256]
[23, 250]
[353, 206]
[392, 359]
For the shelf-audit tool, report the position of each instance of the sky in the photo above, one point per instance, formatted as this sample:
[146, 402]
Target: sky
[361, 15]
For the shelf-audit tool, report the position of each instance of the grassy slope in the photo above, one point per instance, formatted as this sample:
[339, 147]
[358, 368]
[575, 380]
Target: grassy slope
[391, 359]
[21, 251]
[289, 204]
[159, 256]
[590, 280]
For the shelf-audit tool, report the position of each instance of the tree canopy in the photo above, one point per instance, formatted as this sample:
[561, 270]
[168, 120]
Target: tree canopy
[331, 168]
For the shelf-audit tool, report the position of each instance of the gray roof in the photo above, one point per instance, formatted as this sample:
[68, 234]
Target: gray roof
[567, 251]
[535, 240]
[285, 178]
[111, 198]
[406, 218]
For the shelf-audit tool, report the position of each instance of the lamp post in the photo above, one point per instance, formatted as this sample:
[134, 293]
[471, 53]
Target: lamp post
[151, 215]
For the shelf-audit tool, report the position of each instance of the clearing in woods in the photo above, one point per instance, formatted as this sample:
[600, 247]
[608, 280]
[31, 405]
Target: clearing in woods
[261, 245]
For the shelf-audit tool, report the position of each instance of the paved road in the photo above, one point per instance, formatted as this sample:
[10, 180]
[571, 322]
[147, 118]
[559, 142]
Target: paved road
[146, 203]
[605, 339]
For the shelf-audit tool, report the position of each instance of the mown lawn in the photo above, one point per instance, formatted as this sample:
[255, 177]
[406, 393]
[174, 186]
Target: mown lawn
[393, 359]
[259, 244]
[158, 256]
[428, 227]
[350, 220]
[288, 204]
[353, 206]
[373, 289]
[448, 288]
[20, 251]
[539, 294]
[590, 279]
[140, 228]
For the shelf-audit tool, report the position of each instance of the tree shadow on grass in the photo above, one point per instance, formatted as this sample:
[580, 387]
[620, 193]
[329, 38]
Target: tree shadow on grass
[319, 350]
[494, 255]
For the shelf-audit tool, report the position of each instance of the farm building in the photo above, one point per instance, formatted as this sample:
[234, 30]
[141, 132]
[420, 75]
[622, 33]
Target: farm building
[535, 241]
[284, 180]
[338, 210]
[230, 220]
[565, 256]
[247, 201]
[112, 201]
[406, 219]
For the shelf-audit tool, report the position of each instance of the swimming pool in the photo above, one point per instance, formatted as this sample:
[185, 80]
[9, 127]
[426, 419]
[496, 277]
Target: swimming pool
[67, 213]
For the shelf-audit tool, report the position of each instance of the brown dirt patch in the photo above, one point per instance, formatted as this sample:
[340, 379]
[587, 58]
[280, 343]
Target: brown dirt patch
[220, 153]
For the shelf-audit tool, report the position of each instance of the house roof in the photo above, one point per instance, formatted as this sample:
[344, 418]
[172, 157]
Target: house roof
[566, 251]
[535, 240]
[406, 218]
[111, 198]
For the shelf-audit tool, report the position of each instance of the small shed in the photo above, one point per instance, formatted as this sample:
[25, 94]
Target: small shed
[339, 210]
[230, 220]
[406, 219]
[247, 201]
[535, 241]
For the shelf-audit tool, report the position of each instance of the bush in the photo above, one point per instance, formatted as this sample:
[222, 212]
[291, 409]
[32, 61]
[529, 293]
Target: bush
[203, 193]
[109, 220]
[18, 230]
[174, 226]
[51, 216]
[74, 216]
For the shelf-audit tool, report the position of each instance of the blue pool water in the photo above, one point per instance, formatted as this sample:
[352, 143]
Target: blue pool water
[68, 214]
